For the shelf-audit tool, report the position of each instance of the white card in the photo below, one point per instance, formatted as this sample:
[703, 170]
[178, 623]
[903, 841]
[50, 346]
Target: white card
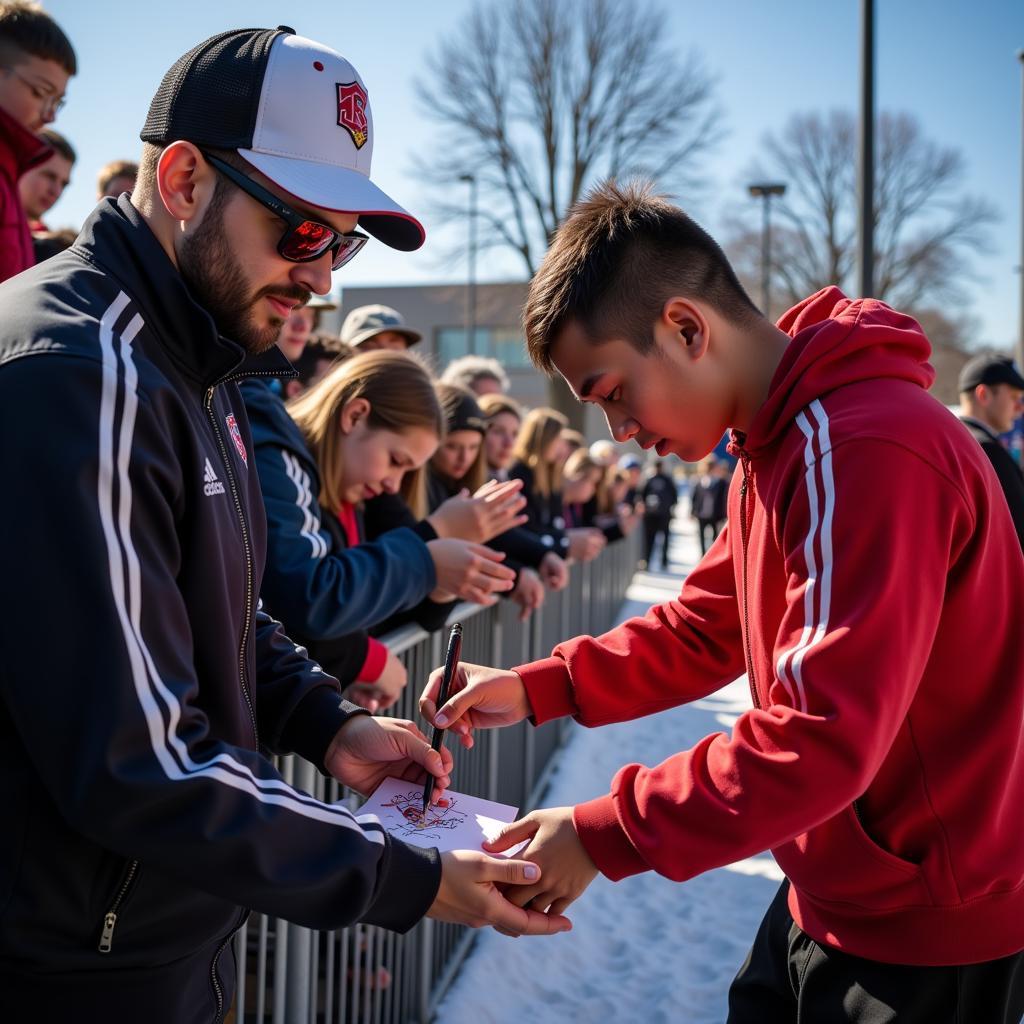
[462, 825]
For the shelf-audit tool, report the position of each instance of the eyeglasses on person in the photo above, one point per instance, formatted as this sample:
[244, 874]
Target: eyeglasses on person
[49, 103]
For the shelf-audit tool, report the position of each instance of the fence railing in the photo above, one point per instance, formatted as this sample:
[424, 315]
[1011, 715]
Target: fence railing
[292, 975]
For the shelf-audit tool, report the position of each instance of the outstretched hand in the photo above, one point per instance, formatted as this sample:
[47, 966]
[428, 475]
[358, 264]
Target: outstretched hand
[555, 847]
[470, 893]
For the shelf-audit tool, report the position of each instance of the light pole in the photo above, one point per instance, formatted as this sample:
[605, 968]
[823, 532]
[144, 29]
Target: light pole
[1020, 269]
[470, 179]
[866, 159]
[766, 189]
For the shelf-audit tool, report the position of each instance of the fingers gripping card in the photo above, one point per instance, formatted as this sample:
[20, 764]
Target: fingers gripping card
[463, 823]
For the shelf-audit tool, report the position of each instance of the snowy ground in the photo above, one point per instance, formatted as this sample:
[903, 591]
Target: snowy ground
[645, 948]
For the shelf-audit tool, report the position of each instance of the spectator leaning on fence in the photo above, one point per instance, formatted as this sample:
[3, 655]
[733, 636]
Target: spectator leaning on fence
[36, 62]
[869, 583]
[40, 187]
[523, 547]
[459, 466]
[539, 457]
[142, 818]
[478, 374]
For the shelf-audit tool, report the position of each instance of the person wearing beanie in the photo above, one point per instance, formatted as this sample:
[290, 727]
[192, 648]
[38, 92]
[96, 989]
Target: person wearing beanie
[991, 397]
[136, 766]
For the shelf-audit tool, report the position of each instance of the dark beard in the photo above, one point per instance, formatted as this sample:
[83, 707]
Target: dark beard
[215, 278]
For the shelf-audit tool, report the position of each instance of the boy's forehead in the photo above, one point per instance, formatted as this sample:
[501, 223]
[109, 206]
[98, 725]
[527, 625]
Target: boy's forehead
[581, 360]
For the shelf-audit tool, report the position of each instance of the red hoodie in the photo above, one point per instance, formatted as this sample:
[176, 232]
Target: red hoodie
[871, 584]
[20, 150]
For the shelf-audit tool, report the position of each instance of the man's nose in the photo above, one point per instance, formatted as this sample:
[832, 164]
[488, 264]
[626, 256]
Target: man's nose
[314, 276]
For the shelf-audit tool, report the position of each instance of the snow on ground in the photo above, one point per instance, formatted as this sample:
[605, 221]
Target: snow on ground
[644, 948]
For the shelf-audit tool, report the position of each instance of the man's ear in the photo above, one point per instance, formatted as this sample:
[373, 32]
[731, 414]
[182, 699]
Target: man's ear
[354, 411]
[690, 327]
[184, 181]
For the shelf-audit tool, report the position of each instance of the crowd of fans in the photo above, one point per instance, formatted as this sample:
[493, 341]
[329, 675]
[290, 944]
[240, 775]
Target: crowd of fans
[435, 489]
[445, 486]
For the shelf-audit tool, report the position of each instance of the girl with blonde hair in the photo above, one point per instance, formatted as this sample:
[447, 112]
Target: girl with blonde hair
[356, 433]
[540, 453]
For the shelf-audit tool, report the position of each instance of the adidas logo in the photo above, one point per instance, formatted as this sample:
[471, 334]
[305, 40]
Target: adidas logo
[212, 485]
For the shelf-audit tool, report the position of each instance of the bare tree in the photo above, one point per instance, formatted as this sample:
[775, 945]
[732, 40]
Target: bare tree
[539, 98]
[926, 229]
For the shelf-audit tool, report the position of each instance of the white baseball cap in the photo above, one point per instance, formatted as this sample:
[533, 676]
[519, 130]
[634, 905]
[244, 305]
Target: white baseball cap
[294, 109]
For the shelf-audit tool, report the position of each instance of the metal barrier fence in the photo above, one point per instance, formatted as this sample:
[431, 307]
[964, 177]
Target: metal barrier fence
[292, 975]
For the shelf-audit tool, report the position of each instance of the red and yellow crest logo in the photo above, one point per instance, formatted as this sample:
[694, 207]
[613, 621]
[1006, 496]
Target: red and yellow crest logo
[352, 112]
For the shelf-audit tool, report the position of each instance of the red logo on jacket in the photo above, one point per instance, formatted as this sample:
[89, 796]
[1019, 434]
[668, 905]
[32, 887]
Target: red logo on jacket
[236, 436]
[352, 112]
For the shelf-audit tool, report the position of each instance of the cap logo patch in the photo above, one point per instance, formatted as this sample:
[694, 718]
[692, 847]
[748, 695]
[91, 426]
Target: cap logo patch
[352, 112]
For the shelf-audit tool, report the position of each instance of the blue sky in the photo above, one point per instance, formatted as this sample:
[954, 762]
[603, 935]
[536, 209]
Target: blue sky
[949, 62]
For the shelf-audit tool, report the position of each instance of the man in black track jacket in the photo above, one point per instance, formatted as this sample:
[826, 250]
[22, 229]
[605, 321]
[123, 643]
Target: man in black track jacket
[141, 686]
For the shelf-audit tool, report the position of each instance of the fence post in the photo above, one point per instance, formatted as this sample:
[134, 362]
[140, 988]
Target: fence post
[298, 962]
[426, 968]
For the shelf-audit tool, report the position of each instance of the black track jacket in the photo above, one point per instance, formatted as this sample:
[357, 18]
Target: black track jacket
[140, 686]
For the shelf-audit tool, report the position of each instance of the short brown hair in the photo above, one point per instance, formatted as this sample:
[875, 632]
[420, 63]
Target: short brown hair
[26, 28]
[619, 255]
[59, 143]
[115, 169]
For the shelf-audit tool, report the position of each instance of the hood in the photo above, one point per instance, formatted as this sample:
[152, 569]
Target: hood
[837, 341]
[20, 149]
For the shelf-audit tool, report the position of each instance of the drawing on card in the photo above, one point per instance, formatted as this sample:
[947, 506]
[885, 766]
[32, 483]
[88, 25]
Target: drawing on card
[430, 823]
[463, 822]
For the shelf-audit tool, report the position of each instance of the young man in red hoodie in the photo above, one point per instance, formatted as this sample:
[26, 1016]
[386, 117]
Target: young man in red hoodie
[869, 582]
[36, 61]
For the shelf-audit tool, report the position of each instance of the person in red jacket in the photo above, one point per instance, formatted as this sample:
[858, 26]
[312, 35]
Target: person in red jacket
[868, 582]
[36, 61]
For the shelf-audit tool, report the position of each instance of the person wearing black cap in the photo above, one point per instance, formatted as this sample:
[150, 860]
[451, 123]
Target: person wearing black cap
[143, 686]
[991, 394]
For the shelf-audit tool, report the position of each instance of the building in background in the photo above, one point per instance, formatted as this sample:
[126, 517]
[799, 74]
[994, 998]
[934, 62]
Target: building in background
[438, 312]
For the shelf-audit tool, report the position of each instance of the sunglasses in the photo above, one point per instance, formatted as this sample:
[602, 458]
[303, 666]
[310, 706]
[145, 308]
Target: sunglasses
[304, 240]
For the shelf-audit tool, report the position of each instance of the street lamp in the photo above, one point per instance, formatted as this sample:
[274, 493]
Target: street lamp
[866, 155]
[1020, 269]
[470, 180]
[766, 189]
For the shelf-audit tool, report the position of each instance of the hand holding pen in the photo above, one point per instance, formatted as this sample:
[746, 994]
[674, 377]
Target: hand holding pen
[451, 664]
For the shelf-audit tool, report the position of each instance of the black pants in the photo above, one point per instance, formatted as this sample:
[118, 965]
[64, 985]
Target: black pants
[788, 978]
[706, 527]
[652, 529]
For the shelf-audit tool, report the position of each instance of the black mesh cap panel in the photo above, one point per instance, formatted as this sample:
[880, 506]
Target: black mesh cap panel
[211, 95]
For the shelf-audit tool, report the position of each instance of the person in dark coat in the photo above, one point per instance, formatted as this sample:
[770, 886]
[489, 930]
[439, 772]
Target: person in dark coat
[708, 501]
[659, 497]
[991, 390]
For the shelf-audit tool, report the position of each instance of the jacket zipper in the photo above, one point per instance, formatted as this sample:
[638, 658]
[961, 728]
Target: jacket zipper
[248, 559]
[217, 990]
[744, 538]
[110, 917]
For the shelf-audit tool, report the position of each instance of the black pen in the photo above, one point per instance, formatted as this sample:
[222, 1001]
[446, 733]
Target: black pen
[451, 664]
